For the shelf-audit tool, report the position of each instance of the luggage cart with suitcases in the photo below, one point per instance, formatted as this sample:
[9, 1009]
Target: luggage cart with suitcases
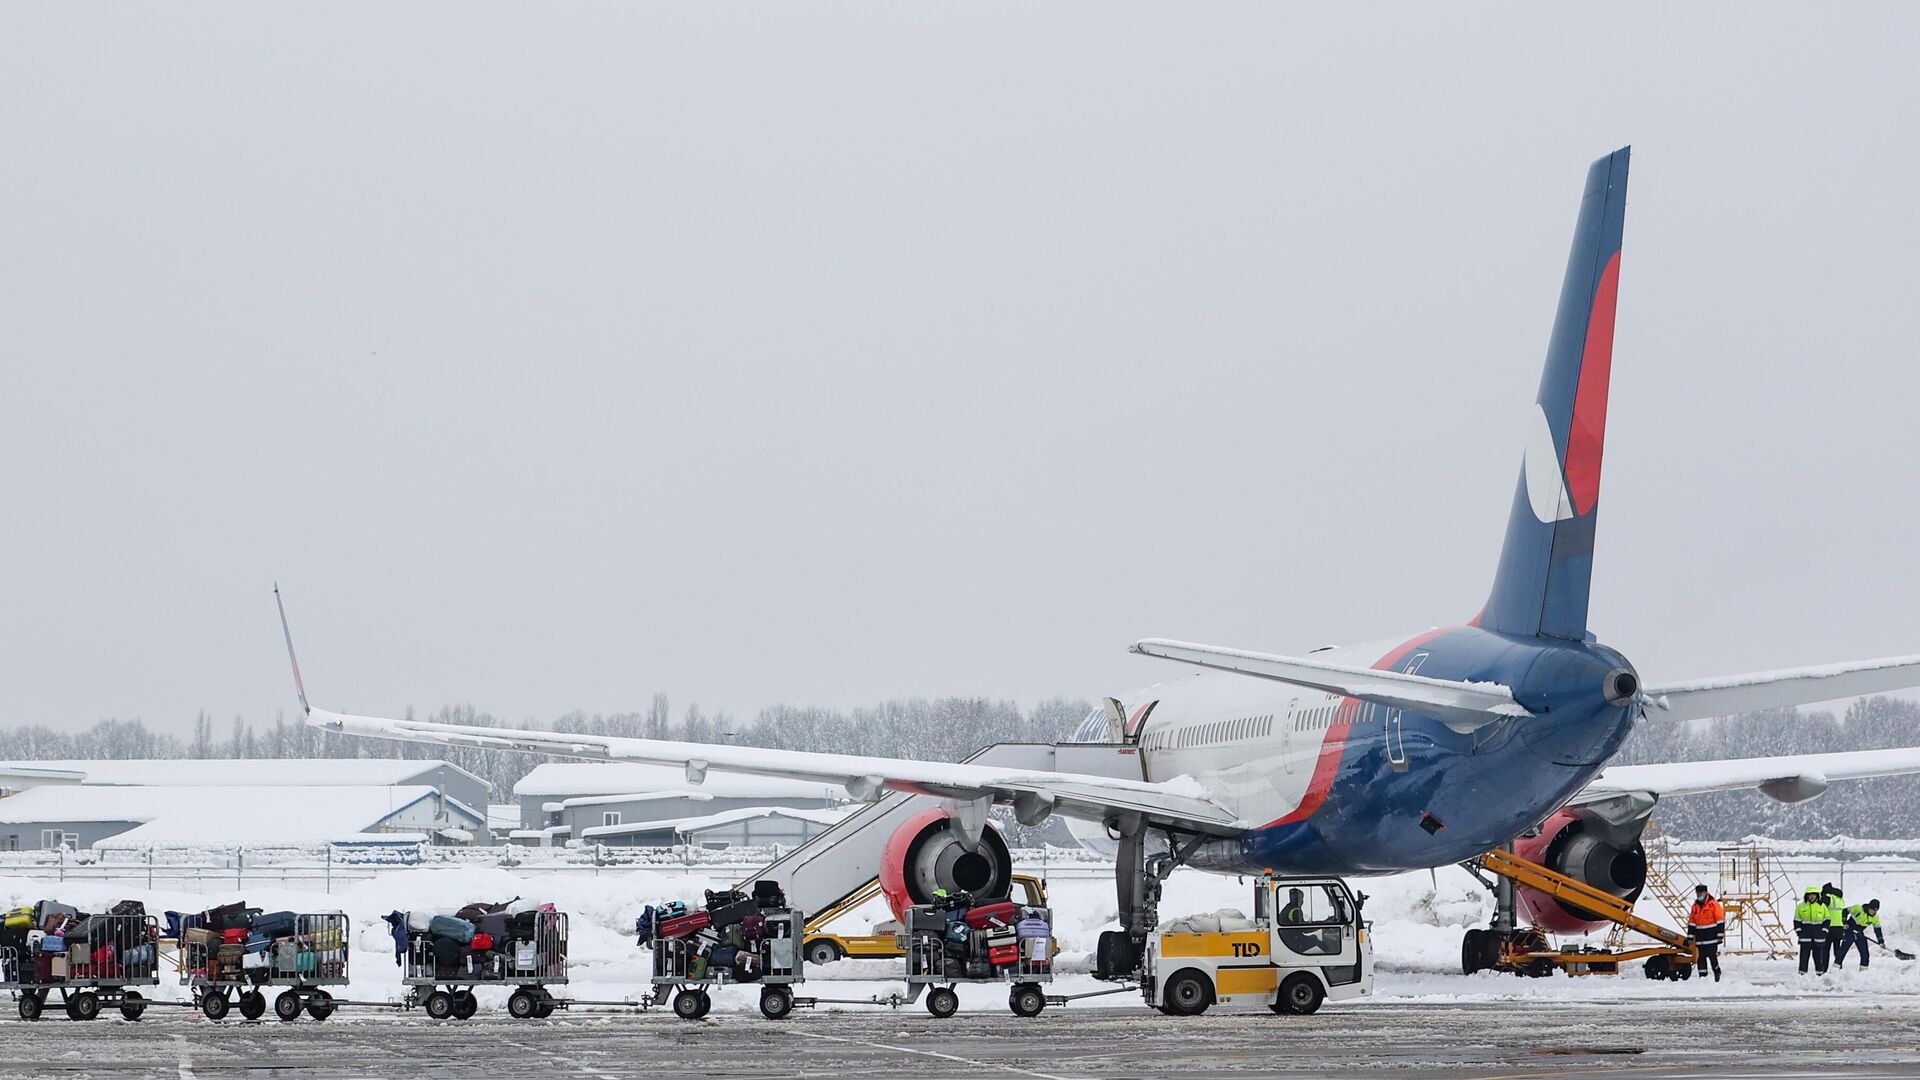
[441, 972]
[988, 942]
[738, 940]
[232, 962]
[93, 962]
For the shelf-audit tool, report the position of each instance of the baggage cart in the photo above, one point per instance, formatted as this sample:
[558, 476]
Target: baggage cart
[99, 971]
[934, 970]
[777, 966]
[302, 965]
[529, 965]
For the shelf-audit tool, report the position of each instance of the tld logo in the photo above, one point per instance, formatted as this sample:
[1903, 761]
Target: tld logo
[1246, 948]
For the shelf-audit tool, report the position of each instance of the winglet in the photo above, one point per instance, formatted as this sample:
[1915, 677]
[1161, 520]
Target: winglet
[298, 686]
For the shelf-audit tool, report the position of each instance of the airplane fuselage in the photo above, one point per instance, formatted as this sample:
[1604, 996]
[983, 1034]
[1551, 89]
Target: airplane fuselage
[1338, 786]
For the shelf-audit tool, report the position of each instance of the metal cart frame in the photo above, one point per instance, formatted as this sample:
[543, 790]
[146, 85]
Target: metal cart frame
[782, 961]
[100, 985]
[932, 972]
[328, 934]
[451, 997]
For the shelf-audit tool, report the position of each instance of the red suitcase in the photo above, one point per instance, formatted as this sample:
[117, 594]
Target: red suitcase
[236, 936]
[1003, 954]
[685, 924]
[989, 915]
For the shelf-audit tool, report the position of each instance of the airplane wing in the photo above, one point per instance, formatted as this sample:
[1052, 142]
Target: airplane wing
[1789, 778]
[1758, 690]
[1183, 806]
[1460, 705]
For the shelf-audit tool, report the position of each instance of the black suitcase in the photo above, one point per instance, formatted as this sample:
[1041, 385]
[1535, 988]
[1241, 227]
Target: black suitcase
[924, 921]
[447, 954]
[128, 907]
[525, 926]
[495, 925]
[729, 914]
[768, 894]
[274, 924]
[724, 898]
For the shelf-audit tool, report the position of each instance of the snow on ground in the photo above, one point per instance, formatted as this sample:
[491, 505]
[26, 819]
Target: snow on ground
[1417, 918]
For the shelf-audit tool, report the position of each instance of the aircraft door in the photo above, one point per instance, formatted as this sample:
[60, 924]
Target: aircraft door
[1396, 744]
[1314, 925]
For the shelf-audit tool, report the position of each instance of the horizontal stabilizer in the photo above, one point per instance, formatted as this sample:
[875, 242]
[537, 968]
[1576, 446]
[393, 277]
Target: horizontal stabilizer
[1789, 778]
[1779, 689]
[1461, 706]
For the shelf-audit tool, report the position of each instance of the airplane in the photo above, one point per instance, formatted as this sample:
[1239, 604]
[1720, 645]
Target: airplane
[1412, 752]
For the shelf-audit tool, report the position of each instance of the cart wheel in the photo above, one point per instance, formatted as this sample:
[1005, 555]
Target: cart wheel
[1300, 994]
[706, 1003]
[465, 1004]
[440, 1005]
[287, 1005]
[546, 1005]
[943, 1002]
[822, 951]
[1027, 1000]
[84, 1005]
[776, 1002]
[1188, 993]
[132, 1005]
[29, 1005]
[686, 1004]
[213, 1004]
[253, 1004]
[523, 1005]
[320, 1005]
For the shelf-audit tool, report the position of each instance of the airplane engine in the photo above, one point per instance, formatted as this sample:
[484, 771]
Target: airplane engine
[926, 853]
[1575, 847]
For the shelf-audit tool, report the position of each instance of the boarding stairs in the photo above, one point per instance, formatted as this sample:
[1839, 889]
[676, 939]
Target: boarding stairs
[846, 858]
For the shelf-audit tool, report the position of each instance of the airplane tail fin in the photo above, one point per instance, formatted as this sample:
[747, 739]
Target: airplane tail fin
[1540, 588]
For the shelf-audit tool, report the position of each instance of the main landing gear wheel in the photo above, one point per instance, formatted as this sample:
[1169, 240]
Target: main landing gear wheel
[440, 1005]
[822, 951]
[523, 1005]
[776, 1002]
[320, 1005]
[690, 1005]
[1027, 1000]
[30, 1004]
[943, 1002]
[214, 1004]
[84, 1005]
[253, 1005]
[465, 1004]
[1300, 995]
[1186, 994]
[132, 1005]
[1473, 952]
[287, 1005]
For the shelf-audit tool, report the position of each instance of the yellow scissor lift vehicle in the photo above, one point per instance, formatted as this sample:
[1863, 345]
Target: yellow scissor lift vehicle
[823, 947]
[1528, 951]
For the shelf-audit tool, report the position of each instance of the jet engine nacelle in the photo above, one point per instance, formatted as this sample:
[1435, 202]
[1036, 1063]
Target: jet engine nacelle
[926, 853]
[1570, 845]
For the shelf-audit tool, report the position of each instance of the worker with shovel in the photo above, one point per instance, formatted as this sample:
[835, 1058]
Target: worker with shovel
[1858, 918]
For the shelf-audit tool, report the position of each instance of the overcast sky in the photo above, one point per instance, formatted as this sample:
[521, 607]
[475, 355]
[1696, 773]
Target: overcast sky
[552, 356]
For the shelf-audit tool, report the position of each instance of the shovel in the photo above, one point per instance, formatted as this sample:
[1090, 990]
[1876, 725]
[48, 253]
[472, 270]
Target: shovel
[1899, 954]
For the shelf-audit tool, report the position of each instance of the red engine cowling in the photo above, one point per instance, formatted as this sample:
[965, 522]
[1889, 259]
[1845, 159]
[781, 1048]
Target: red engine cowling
[925, 853]
[1571, 846]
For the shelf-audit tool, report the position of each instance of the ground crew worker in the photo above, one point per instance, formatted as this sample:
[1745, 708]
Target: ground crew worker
[1706, 925]
[1810, 925]
[1836, 918]
[1859, 918]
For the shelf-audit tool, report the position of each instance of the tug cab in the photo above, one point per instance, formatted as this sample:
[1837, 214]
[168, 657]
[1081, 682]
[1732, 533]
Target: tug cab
[1305, 944]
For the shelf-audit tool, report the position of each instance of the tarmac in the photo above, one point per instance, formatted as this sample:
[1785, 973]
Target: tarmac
[1852, 1036]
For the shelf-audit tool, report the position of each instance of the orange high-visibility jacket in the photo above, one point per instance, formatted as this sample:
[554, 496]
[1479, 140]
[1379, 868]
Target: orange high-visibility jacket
[1706, 912]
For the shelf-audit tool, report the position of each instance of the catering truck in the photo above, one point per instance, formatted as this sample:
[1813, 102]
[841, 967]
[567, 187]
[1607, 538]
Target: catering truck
[1306, 943]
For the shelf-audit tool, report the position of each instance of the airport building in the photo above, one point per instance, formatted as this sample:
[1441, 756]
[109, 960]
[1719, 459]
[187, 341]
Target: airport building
[632, 804]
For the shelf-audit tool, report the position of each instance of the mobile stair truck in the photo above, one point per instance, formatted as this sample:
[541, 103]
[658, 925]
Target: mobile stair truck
[91, 961]
[300, 953]
[1305, 944]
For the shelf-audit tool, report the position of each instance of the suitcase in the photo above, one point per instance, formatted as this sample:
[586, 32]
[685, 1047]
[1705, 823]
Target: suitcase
[753, 927]
[684, 925]
[199, 936]
[328, 940]
[722, 957]
[231, 916]
[493, 924]
[48, 909]
[305, 963]
[672, 909]
[129, 907]
[1003, 954]
[53, 943]
[274, 924]
[768, 894]
[446, 957]
[979, 969]
[43, 967]
[1033, 928]
[730, 914]
[526, 924]
[481, 943]
[235, 936]
[254, 961]
[285, 955]
[1002, 913]
[449, 926]
[229, 953]
[926, 920]
[724, 897]
[997, 938]
[140, 958]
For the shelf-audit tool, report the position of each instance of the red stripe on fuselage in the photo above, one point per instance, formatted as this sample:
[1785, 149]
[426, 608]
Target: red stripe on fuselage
[1587, 436]
[1335, 743]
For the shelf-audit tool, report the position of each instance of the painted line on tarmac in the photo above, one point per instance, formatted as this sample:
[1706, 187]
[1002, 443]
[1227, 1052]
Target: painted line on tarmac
[186, 1057]
[928, 1053]
[561, 1059]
